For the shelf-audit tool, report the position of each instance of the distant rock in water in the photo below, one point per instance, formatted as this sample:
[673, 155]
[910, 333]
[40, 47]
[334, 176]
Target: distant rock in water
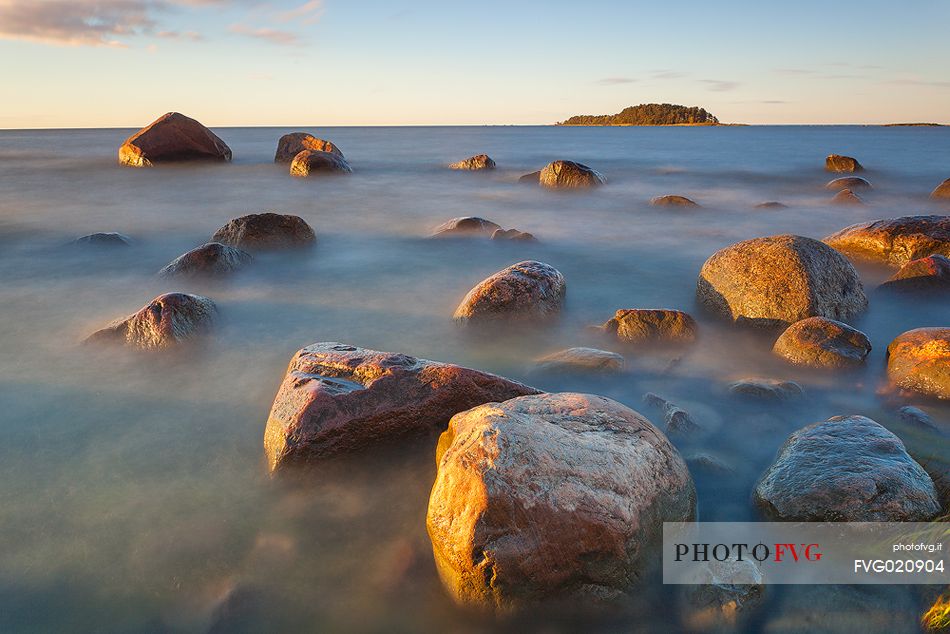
[479, 162]
[209, 259]
[924, 274]
[919, 361]
[846, 197]
[266, 231]
[533, 178]
[766, 389]
[465, 226]
[639, 325]
[513, 234]
[167, 321]
[648, 114]
[839, 163]
[778, 280]
[942, 191]
[103, 239]
[569, 175]
[338, 399]
[524, 291]
[772, 204]
[580, 360]
[915, 416]
[311, 162]
[290, 145]
[173, 138]
[822, 343]
[848, 182]
[895, 241]
[672, 200]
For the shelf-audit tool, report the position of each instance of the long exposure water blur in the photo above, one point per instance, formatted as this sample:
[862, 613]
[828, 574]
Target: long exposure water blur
[133, 490]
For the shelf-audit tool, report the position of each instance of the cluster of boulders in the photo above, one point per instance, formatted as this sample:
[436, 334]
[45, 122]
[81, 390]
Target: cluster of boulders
[473, 226]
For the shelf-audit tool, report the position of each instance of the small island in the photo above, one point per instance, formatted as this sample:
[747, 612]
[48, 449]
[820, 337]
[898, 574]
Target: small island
[648, 114]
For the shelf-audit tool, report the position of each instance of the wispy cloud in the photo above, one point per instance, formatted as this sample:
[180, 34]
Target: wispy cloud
[613, 81]
[306, 13]
[919, 82]
[75, 22]
[720, 85]
[274, 36]
[179, 35]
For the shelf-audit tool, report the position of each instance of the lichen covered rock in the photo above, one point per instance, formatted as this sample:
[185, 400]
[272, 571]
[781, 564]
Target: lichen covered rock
[524, 291]
[822, 343]
[167, 321]
[919, 361]
[894, 241]
[639, 325]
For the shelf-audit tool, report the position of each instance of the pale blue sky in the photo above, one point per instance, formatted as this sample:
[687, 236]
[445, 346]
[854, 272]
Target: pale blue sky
[81, 63]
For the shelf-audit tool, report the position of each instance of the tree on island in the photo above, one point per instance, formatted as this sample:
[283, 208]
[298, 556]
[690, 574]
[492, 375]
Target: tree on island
[648, 114]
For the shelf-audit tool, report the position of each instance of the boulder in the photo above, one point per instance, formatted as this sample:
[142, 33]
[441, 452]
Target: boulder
[847, 182]
[715, 603]
[513, 234]
[767, 389]
[917, 417]
[919, 361]
[924, 274]
[527, 290]
[290, 145]
[671, 200]
[822, 343]
[167, 321]
[942, 191]
[313, 162]
[264, 231]
[552, 498]
[779, 280]
[569, 175]
[640, 325]
[846, 469]
[838, 163]
[338, 399]
[103, 239]
[479, 162]
[172, 138]
[209, 259]
[772, 204]
[534, 178]
[465, 226]
[895, 241]
[846, 197]
[580, 360]
[708, 464]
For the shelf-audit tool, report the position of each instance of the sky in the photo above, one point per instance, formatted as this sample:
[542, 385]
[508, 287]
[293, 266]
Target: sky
[122, 63]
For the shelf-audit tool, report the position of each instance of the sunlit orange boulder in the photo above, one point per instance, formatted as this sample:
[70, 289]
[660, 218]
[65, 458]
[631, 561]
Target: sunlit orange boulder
[894, 241]
[672, 200]
[931, 273]
[524, 291]
[942, 191]
[839, 163]
[822, 343]
[290, 145]
[652, 325]
[313, 162]
[569, 175]
[167, 321]
[919, 361]
[478, 162]
[173, 138]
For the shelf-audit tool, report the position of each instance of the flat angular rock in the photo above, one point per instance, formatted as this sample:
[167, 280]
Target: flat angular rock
[465, 226]
[266, 231]
[167, 321]
[919, 361]
[314, 162]
[338, 399]
[671, 200]
[839, 163]
[846, 469]
[554, 497]
[173, 138]
[290, 145]
[847, 182]
[818, 342]
[894, 241]
[779, 280]
[644, 325]
[527, 290]
[931, 273]
[580, 360]
[569, 175]
[209, 259]
[478, 162]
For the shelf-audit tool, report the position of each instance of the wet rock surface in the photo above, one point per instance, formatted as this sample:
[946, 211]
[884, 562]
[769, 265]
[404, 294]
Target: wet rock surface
[173, 138]
[839, 163]
[524, 291]
[290, 145]
[478, 162]
[822, 343]
[919, 361]
[209, 259]
[554, 497]
[338, 399]
[315, 162]
[266, 231]
[167, 321]
[931, 273]
[641, 325]
[569, 175]
[846, 469]
[580, 360]
[894, 241]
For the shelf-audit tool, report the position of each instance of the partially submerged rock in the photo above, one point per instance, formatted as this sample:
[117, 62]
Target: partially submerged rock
[478, 162]
[524, 291]
[555, 497]
[772, 204]
[209, 259]
[767, 389]
[167, 321]
[846, 197]
[705, 463]
[513, 235]
[639, 325]
[290, 145]
[465, 226]
[265, 231]
[779, 280]
[534, 178]
[671, 200]
[716, 602]
[839, 163]
[569, 175]
[917, 417]
[338, 399]
[103, 239]
[173, 138]
[822, 343]
[312, 162]
[580, 360]
[924, 274]
[895, 241]
[848, 182]
[942, 191]
[919, 361]
[846, 469]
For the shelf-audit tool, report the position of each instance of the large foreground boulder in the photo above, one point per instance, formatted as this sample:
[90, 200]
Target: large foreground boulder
[523, 291]
[846, 469]
[290, 145]
[313, 162]
[339, 399]
[209, 259]
[555, 497]
[173, 138]
[165, 322]
[478, 162]
[265, 231]
[839, 163]
[652, 325]
[942, 191]
[569, 175]
[895, 241]
[818, 342]
[919, 361]
[924, 274]
[465, 226]
[779, 280]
